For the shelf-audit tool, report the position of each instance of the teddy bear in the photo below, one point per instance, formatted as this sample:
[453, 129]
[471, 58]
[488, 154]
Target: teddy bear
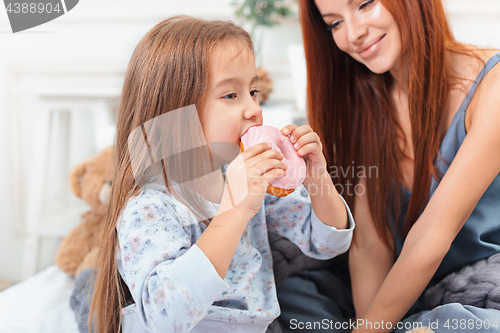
[91, 181]
[265, 85]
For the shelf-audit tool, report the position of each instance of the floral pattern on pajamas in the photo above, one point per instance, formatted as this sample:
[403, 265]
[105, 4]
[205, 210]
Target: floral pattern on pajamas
[175, 286]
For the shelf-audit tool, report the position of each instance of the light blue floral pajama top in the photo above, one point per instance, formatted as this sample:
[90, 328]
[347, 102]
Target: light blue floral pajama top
[175, 286]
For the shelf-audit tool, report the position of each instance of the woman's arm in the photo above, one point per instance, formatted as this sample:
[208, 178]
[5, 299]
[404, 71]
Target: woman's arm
[370, 259]
[475, 166]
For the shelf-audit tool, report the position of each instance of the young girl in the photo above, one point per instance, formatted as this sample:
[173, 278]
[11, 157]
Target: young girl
[186, 272]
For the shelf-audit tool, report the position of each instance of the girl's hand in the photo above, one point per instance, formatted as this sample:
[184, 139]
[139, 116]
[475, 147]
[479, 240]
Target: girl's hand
[248, 176]
[308, 145]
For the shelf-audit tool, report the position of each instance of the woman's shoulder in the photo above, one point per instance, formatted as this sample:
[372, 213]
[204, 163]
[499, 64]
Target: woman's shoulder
[467, 68]
[486, 100]
[491, 82]
[467, 62]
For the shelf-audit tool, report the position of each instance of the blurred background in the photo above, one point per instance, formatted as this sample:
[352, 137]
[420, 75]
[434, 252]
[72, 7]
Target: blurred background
[60, 84]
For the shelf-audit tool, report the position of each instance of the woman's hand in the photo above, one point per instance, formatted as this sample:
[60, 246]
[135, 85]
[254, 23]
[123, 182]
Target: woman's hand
[248, 176]
[308, 145]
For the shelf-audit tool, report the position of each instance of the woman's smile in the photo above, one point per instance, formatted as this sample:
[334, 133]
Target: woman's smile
[365, 30]
[371, 48]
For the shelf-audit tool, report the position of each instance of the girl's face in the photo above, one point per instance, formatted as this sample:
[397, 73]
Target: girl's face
[232, 105]
[365, 30]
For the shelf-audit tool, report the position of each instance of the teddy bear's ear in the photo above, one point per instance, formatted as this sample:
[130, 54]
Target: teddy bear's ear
[75, 178]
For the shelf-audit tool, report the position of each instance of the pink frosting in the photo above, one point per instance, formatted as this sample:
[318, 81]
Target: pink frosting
[296, 172]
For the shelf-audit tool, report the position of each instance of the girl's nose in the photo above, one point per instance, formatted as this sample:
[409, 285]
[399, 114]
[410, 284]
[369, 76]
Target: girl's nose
[253, 110]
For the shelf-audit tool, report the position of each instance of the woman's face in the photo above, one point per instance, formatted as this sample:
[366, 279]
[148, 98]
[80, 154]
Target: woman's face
[365, 30]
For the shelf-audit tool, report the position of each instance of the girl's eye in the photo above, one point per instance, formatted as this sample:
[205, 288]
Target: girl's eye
[254, 93]
[333, 25]
[366, 4]
[230, 96]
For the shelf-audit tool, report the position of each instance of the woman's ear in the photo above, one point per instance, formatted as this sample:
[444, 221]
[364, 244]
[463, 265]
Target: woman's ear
[75, 178]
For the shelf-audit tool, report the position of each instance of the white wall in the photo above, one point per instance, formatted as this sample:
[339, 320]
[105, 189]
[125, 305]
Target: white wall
[98, 35]
[103, 34]
[476, 22]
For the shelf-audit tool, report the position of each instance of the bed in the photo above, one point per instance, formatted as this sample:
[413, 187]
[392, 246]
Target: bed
[39, 304]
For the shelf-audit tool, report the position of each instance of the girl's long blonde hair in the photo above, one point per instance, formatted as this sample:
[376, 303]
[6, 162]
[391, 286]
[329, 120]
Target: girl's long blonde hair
[169, 70]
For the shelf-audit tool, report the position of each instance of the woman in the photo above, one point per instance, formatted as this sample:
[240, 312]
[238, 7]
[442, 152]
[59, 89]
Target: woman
[390, 88]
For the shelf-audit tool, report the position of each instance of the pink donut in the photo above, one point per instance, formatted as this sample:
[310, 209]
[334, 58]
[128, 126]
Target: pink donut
[296, 172]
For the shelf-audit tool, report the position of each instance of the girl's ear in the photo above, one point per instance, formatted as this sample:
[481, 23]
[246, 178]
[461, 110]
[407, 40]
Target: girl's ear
[75, 178]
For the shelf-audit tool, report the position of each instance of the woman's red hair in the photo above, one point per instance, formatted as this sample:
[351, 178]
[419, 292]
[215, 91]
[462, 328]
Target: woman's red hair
[350, 107]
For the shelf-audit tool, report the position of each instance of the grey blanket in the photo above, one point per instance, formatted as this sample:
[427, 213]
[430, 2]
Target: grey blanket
[477, 285]
[288, 259]
[80, 299]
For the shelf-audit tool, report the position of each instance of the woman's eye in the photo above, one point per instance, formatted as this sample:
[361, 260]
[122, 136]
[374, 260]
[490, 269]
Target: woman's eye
[254, 93]
[361, 7]
[333, 25]
[230, 96]
[366, 4]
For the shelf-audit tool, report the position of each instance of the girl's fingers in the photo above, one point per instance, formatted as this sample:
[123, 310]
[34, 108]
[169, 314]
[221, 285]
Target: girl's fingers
[266, 165]
[256, 150]
[288, 129]
[272, 175]
[308, 148]
[307, 139]
[269, 154]
[298, 132]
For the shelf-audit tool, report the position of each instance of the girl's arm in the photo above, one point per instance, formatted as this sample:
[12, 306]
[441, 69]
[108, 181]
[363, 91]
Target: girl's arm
[293, 218]
[326, 202]
[475, 166]
[317, 220]
[173, 281]
[220, 240]
[248, 176]
[370, 259]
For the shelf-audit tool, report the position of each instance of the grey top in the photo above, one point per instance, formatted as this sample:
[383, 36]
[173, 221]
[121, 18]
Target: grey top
[480, 236]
